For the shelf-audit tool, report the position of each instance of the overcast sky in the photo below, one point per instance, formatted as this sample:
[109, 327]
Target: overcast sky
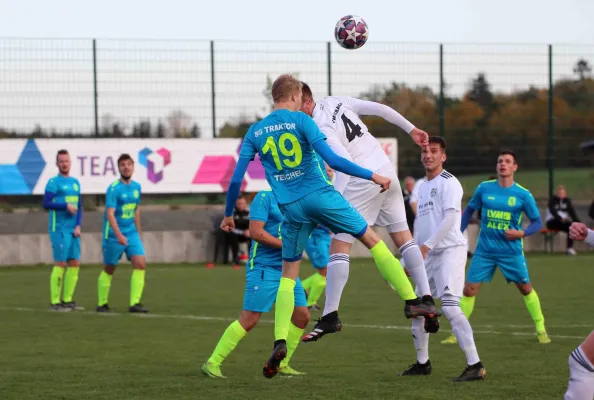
[49, 81]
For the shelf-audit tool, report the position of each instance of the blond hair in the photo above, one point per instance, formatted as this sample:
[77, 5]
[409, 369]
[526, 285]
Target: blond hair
[284, 86]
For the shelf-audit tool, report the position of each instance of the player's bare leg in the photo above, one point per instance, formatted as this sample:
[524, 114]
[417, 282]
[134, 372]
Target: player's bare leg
[533, 305]
[581, 370]
[70, 281]
[467, 306]
[137, 284]
[285, 302]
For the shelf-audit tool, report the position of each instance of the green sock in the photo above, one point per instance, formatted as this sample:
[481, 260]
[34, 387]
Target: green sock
[103, 286]
[392, 271]
[56, 284]
[533, 305]
[293, 339]
[283, 310]
[70, 280]
[467, 305]
[233, 334]
[136, 286]
[308, 283]
[317, 288]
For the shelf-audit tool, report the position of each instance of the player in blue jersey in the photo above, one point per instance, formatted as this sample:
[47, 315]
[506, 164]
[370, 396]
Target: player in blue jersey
[121, 234]
[502, 203]
[288, 142]
[63, 200]
[263, 275]
[318, 251]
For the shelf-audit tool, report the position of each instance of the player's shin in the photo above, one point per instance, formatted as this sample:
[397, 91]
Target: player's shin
[103, 286]
[461, 327]
[227, 343]
[293, 339]
[392, 271]
[533, 305]
[136, 286]
[70, 280]
[336, 279]
[420, 339]
[56, 279]
[413, 259]
[467, 305]
[285, 302]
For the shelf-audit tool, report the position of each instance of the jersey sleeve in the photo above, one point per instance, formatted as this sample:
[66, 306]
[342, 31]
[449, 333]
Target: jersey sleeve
[530, 207]
[111, 197]
[476, 202]
[309, 129]
[452, 195]
[260, 207]
[51, 186]
[248, 149]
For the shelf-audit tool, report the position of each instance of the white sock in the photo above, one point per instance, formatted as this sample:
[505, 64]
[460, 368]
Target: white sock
[336, 279]
[581, 381]
[421, 339]
[413, 259]
[450, 306]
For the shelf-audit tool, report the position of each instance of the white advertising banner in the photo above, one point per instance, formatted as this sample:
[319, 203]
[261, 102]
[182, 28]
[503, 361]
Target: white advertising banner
[161, 165]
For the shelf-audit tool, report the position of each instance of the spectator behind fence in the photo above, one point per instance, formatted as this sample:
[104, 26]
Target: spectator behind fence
[561, 214]
[241, 233]
[409, 185]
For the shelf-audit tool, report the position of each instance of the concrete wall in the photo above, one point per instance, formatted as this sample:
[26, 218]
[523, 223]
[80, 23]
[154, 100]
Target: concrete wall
[169, 237]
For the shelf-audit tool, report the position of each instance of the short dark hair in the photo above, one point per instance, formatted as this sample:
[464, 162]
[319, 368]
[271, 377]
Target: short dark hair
[124, 157]
[438, 140]
[306, 91]
[60, 153]
[507, 152]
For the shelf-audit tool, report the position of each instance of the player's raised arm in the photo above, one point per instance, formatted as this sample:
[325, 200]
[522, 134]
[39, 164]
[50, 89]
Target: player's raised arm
[364, 107]
[318, 141]
[259, 212]
[246, 154]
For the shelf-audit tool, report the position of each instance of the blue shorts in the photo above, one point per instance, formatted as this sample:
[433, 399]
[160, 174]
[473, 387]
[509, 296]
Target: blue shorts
[482, 268]
[324, 207]
[113, 251]
[261, 286]
[65, 246]
[318, 249]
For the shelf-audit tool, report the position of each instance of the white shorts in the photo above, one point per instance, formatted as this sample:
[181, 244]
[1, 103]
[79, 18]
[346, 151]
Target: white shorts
[382, 209]
[445, 271]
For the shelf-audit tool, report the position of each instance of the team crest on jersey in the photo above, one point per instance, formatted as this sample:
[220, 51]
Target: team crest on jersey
[433, 192]
[136, 194]
[511, 201]
[75, 186]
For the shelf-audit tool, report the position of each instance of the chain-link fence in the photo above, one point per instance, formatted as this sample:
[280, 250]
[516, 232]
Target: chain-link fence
[536, 99]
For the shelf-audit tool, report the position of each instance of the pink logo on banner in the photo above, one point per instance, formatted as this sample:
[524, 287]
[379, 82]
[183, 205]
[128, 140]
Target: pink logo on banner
[216, 170]
[255, 169]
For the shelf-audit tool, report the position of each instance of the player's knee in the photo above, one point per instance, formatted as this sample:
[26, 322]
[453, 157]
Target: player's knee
[74, 263]
[470, 290]
[109, 269]
[525, 288]
[60, 264]
[139, 263]
[340, 247]
[300, 317]
[249, 319]
[323, 271]
[452, 313]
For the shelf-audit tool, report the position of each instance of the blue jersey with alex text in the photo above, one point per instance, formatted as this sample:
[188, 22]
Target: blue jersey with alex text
[501, 209]
[124, 198]
[265, 208]
[66, 189]
[284, 142]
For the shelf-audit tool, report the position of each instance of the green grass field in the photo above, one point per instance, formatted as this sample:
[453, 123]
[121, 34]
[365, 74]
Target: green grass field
[83, 355]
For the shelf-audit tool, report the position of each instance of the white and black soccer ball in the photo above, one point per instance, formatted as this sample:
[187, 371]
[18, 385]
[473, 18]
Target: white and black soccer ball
[351, 32]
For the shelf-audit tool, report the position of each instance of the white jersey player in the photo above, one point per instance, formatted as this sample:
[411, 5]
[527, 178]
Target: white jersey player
[338, 118]
[581, 360]
[437, 230]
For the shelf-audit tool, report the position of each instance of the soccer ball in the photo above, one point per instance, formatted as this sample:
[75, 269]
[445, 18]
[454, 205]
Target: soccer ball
[351, 32]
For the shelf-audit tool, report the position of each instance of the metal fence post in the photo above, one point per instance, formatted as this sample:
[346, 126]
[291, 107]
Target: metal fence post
[551, 132]
[95, 91]
[441, 94]
[329, 56]
[212, 90]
